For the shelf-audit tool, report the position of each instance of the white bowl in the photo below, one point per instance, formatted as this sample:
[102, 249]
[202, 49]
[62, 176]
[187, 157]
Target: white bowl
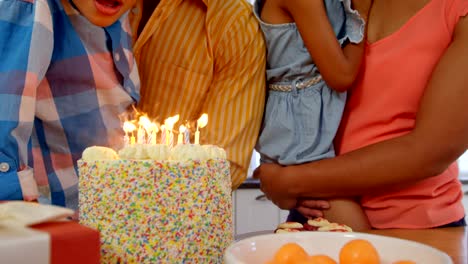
[259, 249]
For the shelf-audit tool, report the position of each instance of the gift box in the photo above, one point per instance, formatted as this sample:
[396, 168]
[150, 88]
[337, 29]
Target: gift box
[72, 243]
[48, 242]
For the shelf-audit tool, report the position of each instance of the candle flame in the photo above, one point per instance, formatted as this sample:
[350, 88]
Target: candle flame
[170, 121]
[202, 121]
[182, 129]
[175, 118]
[154, 127]
[145, 122]
[128, 127]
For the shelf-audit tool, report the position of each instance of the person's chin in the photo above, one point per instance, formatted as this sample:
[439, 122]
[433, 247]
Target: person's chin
[103, 21]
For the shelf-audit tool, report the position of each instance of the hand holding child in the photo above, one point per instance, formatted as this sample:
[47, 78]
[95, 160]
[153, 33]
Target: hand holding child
[273, 183]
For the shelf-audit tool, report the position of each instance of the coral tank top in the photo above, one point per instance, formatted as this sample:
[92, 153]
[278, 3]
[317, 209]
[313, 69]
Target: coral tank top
[383, 105]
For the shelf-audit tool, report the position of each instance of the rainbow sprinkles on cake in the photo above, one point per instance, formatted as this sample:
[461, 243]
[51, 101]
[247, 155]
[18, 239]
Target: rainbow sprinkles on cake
[158, 202]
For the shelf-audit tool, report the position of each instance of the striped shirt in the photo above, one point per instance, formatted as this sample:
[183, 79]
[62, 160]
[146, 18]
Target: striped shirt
[64, 83]
[205, 56]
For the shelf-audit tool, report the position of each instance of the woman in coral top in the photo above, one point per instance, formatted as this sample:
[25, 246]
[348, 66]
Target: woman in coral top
[404, 126]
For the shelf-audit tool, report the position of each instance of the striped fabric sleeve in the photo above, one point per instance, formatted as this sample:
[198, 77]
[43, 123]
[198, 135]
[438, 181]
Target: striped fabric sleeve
[25, 52]
[238, 88]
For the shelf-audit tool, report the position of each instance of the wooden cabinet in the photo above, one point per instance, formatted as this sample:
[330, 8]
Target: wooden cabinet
[254, 212]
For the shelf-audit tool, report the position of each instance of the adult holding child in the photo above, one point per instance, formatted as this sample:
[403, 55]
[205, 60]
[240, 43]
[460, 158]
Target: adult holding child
[404, 125]
[315, 49]
[204, 56]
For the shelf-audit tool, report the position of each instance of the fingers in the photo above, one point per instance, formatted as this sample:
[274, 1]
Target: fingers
[315, 204]
[256, 173]
[309, 212]
[285, 204]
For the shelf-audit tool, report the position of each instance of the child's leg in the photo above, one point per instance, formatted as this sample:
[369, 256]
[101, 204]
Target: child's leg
[348, 212]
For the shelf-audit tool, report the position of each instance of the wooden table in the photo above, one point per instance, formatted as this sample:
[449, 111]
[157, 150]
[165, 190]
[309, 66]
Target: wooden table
[451, 240]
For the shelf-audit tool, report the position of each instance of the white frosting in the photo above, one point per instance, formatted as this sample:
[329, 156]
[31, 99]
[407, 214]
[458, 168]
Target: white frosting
[158, 152]
[143, 151]
[189, 152]
[215, 152]
[182, 152]
[99, 153]
[137, 151]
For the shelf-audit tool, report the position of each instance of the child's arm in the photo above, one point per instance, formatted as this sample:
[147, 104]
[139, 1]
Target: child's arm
[25, 50]
[340, 210]
[339, 67]
[348, 212]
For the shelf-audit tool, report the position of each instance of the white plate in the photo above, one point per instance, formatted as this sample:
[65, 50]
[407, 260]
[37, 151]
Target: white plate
[259, 249]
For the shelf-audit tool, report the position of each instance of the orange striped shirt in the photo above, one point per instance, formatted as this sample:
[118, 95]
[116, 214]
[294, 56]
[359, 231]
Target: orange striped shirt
[205, 56]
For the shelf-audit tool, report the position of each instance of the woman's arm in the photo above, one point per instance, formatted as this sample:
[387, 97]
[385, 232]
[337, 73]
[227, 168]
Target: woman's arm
[440, 136]
[339, 67]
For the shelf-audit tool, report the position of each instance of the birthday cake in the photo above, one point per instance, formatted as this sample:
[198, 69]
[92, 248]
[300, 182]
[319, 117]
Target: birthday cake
[155, 204]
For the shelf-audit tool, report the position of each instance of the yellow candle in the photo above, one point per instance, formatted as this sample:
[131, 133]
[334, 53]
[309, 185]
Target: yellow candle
[197, 137]
[180, 138]
[168, 136]
[153, 138]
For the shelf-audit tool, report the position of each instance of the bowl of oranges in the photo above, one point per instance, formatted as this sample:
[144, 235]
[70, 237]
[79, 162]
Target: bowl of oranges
[331, 248]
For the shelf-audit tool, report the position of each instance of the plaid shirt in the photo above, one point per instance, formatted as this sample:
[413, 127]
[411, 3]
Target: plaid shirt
[64, 83]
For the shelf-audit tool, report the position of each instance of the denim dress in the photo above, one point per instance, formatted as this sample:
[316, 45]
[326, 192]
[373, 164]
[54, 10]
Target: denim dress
[302, 113]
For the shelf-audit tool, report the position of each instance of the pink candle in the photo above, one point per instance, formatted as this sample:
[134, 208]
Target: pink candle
[187, 137]
[163, 134]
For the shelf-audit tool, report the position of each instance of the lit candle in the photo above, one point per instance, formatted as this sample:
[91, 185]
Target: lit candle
[201, 123]
[154, 132]
[169, 123]
[187, 136]
[167, 136]
[143, 129]
[163, 134]
[146, 123]
[126, 131]
[140, 135]
[180, 137]
[129, 128]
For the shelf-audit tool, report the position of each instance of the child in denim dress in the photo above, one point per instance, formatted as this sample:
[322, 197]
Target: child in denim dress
[314, 53]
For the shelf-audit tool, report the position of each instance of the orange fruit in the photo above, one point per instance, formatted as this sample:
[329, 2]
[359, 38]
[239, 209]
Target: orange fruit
[359, 251]
[290, 253]
[404, 262]
[305, 261]
[320, 259]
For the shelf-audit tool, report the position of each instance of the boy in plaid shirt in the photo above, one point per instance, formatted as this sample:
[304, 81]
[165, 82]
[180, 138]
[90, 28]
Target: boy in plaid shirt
[66, 75]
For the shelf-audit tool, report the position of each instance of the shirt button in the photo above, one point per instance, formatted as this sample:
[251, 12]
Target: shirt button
[117, 56]
[4, 167]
